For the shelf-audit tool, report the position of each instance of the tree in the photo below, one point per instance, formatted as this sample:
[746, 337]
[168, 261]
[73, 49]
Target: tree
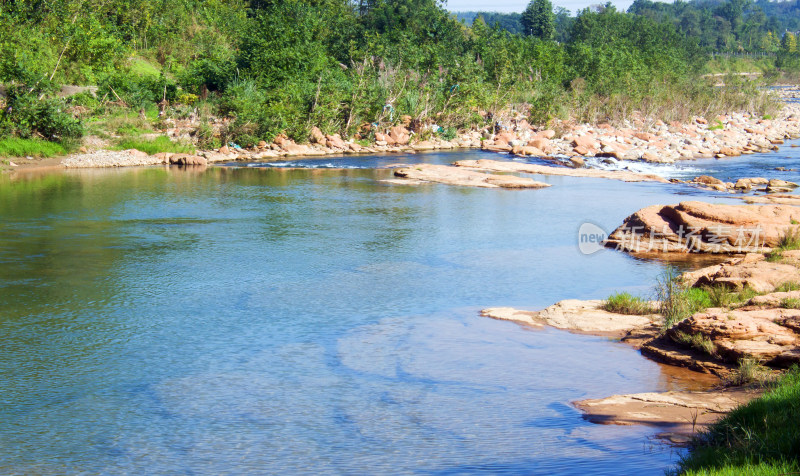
[538, 19]
[789, 43]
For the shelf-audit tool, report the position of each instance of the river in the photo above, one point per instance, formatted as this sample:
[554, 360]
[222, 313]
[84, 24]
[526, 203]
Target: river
[317, 321]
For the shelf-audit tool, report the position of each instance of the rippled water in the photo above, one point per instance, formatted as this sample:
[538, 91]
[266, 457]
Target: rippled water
[273, 320]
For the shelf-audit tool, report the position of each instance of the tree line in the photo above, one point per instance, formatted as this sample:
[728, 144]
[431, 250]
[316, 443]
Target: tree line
[284, 66]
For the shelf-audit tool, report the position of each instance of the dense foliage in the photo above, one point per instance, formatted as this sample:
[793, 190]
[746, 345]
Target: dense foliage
[283, 66]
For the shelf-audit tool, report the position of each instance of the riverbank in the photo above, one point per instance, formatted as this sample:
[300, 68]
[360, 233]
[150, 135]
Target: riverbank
[738, 321]
[560, 142]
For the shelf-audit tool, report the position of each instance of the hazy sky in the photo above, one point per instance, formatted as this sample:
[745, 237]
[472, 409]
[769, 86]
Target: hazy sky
[519, 5]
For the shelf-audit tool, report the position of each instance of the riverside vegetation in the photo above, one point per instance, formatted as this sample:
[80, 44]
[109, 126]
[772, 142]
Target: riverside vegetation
[760, 437]
[245, 72]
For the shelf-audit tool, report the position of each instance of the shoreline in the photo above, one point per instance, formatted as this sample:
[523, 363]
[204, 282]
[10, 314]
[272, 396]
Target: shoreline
[678, 414]
[635, 140]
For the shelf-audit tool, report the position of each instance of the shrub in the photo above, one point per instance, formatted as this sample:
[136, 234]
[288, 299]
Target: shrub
[28, 116]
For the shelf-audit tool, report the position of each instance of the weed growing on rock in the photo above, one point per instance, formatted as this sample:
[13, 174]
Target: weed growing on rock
[750, 372]
[790, 304]
[723, 296]
[677, 302]
[696, 341]
[624, 303]
[789, 241]
[786, 287]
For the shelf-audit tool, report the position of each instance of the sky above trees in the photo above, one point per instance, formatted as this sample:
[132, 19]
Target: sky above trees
[518, 6]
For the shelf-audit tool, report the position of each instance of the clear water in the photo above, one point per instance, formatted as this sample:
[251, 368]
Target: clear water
[273, 320]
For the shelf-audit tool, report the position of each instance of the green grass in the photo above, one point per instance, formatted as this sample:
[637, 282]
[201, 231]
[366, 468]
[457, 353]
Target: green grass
[624, 303]
[760, 437]
[142, 67]
[696, 341]
[750, 372]
[789, 241]
[677, 302]
[154, 146]
[786, 287]
[16, 147]
[723, 296]
[790, 304]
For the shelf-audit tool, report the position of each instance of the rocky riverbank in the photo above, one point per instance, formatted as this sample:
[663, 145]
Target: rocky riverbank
[747, 325]
[564, 142]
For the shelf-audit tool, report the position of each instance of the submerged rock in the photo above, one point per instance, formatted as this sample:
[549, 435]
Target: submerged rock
[455, 176]
[679, 414]
[501, 166]
[575, 315]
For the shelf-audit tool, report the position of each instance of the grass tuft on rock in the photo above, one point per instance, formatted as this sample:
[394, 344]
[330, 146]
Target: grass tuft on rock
[786, 287]
[789, 241]
[790, 303]
[750, 372]
[723, 296]
[625, 303]
[698, 342]
[760, 437]
[677, 302]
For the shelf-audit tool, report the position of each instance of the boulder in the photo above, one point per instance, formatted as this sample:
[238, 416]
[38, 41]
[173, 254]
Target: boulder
[741, 333]
[541, 143]
[423, 145]
[751, 271]
[586, 141]
[705, 228]
[706, 180]
[527, 150]
[316, 136]
[335, 141]
[185, 159]
[399, 135]
[504, 138]
[546, 134]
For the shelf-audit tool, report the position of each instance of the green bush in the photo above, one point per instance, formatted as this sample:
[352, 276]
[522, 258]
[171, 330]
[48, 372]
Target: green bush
[29, 113]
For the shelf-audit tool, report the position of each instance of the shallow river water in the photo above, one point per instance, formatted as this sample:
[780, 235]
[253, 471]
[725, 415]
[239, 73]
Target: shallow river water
[271, 320]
